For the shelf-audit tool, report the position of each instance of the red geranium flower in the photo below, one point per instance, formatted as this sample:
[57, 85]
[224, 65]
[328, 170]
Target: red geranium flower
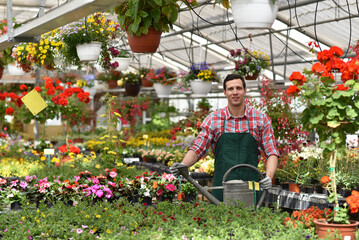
[324, 180]
[9, 111]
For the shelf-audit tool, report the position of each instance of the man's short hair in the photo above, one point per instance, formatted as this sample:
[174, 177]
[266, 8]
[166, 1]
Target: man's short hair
[232, 77]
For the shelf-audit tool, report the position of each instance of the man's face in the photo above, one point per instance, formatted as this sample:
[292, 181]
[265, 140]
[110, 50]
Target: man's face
[235, 92]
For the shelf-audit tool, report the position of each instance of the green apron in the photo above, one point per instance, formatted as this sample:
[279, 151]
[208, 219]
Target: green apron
[232, 149]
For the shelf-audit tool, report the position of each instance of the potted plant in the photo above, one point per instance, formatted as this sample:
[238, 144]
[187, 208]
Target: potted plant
[189, 191]
[121, 59]
[145, 20]
[143, 74]
[331, 110]
[249, 64]
[86, 40]
[132, 83]
[6, 55]
[163, 80]
[111, 77]
[201, 77]
[252, 14]
[42, 54]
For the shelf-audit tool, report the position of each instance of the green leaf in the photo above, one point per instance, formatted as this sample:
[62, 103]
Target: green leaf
[333, 124]
[333, 112]
[143, 14]
[156, 14]
[167, 12]
[351, 113]
[158, 2]
[356, 86]
[316, 119]
[174, 14]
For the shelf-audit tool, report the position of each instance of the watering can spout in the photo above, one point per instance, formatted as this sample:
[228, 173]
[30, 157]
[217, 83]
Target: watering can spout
[184, 172]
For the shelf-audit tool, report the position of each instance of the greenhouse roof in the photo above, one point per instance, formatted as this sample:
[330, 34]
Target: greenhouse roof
[207, 33]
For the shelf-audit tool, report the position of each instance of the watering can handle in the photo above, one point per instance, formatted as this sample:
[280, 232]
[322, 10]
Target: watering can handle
[254, 168]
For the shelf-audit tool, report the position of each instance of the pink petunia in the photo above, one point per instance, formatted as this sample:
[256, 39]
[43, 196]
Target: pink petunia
[170, 187]
[99, 193]
[113, 174]
[79, 231]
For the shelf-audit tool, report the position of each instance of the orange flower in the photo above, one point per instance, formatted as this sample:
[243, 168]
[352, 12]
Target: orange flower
[353, 201]
[292, 90]
[155, 184]
[297, 78]
[324, 180]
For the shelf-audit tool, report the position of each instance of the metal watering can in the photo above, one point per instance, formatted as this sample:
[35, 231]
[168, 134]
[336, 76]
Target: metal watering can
[234, 191]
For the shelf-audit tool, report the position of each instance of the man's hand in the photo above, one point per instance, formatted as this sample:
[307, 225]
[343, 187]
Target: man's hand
[265, 183]
[174, 169]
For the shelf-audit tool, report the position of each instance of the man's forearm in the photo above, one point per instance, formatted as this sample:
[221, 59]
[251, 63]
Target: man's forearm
[272, 163]
[190, 158]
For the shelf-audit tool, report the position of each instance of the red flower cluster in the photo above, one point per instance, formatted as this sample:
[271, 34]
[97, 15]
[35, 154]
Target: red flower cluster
[324, 180]
[353, 201]
[306, 216]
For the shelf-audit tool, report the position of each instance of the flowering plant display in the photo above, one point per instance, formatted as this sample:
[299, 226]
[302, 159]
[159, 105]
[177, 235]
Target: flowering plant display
[109, 75]
[166, 185]
[131, 77]
[93, 28]
[331, 109]
[247, 62]
[9, 102]
[6, 55]
[41, 54]
[56, 97]
[163, 76]
[306, 216]
[109, 62]
[201, 71]
[340, 214]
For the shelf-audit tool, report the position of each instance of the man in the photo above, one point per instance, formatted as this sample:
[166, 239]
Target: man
[237, 134]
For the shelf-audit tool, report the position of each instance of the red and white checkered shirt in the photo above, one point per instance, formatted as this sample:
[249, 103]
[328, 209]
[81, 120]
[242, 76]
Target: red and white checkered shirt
[212, 127]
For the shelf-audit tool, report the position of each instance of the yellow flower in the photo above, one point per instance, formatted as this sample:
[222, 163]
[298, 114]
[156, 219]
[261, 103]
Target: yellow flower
[108, 231]
[98, 216]
[43, 158]
[97, 166]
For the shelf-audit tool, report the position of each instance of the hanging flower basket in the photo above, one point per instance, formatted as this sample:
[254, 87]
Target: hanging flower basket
[123, 63]
[15, 70]
[163, 91]
[146, 43]
[89, 51]
[251, 14]
[200, 88]
[146, 83]
[252, 77]
[132, 89]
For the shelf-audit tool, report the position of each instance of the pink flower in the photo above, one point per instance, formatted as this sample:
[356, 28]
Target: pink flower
[79, 231]
[95, 181]
[23, 185]
[99, 193]
[159, 192]
[113, 174]
[170, 187]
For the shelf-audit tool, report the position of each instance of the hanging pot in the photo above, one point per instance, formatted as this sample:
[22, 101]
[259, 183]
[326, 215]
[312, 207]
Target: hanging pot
[89, 51]
[346, 230]
[112, 84]
[146, 83]
[162, 91]
[15, 70]
[132, 89]
[252, 77]
[251, 14]
[123, 63]
[200, 88]
[146, 43]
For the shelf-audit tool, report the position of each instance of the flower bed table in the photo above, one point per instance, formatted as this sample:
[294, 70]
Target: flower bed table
[298, 201]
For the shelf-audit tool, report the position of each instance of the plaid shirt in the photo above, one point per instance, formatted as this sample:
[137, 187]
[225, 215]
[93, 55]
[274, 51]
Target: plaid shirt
[212, 128]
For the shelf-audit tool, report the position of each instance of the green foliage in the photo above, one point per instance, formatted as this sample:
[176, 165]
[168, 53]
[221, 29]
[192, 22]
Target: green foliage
[121, 220]
[137, 16]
